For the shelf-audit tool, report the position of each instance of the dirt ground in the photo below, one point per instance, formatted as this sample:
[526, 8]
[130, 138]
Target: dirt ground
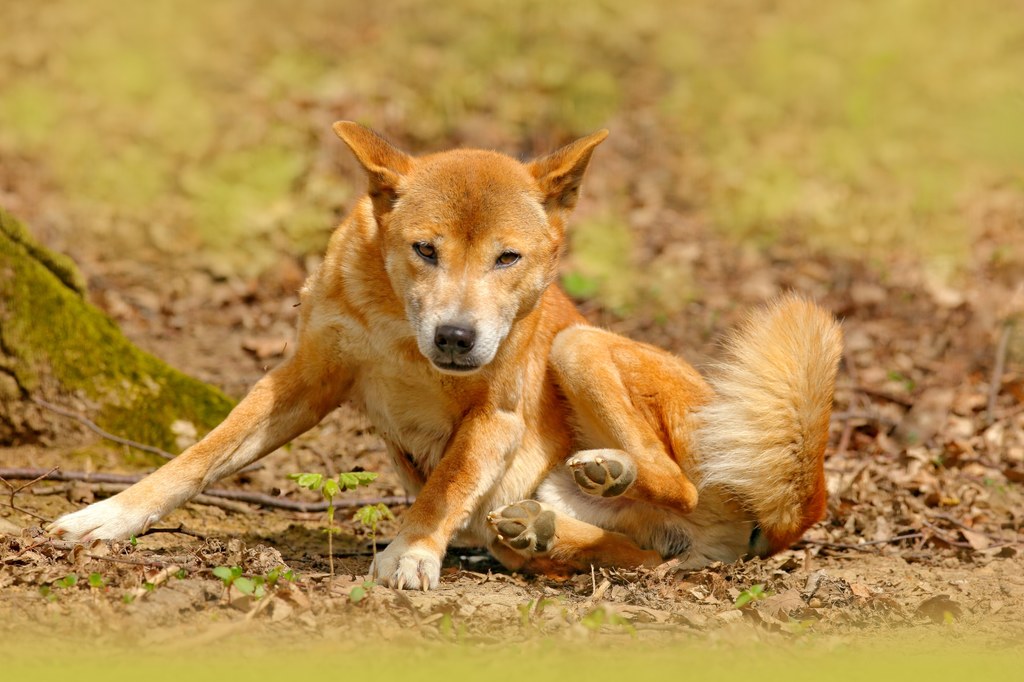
[923, 532]
[755, 149]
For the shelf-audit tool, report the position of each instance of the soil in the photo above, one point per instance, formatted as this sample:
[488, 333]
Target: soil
[923, 533]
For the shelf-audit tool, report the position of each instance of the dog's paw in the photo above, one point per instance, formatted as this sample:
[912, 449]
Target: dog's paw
[406, 567]
[605, 473]
[527, 527]
[106, 520]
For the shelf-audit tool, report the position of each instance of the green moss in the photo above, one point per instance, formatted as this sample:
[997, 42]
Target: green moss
[52, 334]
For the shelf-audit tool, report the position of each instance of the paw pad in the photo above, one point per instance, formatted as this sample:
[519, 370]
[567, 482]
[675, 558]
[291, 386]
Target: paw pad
[602, 472]
[524, 526]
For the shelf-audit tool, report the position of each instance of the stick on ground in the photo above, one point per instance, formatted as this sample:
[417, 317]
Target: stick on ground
[260, 499]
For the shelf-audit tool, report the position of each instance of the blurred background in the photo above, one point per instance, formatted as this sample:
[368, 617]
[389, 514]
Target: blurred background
[198, 134]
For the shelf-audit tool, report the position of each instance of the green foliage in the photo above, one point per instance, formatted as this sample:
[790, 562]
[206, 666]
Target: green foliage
[256, 586]
[604, 617]
[70, 580]
[371, 514]
[751, 594]
[361, 592]
[329, 488]
[532, 609]
[96, 581]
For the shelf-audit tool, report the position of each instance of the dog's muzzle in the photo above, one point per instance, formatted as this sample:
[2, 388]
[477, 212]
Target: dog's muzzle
[454, 344]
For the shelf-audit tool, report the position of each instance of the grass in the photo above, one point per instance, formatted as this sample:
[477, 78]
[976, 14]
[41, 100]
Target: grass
[203, 127]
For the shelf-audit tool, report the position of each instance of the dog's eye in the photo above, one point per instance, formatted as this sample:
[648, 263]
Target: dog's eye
[425, 251]
[506, 259]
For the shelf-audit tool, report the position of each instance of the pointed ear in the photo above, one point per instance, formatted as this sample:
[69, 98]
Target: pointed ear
[384, 164]
[560, 173]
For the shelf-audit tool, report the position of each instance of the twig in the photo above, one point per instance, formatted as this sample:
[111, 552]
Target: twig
[996, 382]
[260, 499]
[866, 416]
[15, 491]
[944, 536]
[964, 526]
[92, 426]
[885, 395]
[180, 530]
[844, 438]
[863, 546]
[30, 513]
[130, 562]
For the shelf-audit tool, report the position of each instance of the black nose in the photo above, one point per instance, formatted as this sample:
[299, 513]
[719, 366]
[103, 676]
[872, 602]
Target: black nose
[452, 339]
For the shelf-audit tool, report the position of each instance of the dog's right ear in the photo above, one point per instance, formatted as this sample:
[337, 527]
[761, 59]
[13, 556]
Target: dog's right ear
[384, 164]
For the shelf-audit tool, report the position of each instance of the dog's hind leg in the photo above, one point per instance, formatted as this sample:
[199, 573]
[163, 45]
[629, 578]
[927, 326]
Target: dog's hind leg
[547, 541]
[629, 398]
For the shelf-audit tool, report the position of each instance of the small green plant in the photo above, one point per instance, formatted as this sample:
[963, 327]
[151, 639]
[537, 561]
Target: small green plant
[70, 580]
[602, 616]
[360, 592]
[532, 609]
[255, 586]
[370, 515]
[96, 581]
[908, 383]
[329, 487]
[49, 593]
[751, 594]
[232, 577]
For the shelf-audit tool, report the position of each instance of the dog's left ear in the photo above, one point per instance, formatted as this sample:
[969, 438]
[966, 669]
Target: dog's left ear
[560, 173]
[384, 164]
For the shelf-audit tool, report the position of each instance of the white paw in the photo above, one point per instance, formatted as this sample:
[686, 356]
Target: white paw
[106, 520]
[402, 566]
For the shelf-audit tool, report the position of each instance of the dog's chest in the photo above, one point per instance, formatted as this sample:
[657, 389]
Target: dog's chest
[409, 411]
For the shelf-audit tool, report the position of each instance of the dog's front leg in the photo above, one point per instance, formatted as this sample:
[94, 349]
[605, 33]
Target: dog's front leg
[291, 399]
[472, 464]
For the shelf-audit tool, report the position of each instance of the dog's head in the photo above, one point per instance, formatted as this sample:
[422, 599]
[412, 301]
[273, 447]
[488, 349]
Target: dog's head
[470, 238]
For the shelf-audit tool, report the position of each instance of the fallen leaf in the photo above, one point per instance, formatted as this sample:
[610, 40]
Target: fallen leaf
[781, 605]
[976, 540]
[936, 609]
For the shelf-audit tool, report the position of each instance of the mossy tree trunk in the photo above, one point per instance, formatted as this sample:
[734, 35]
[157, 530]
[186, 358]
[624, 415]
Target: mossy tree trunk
[57, 346]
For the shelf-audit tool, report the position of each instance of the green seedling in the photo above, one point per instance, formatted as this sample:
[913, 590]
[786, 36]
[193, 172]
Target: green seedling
[279, 573]
[255, 586]
[232, 577]
[70, 580]
[370, 515]
[96, 581]
[532, 609]
[751, 594]
[329, 487]
[601, 617]
[360, 592]
[49, 593]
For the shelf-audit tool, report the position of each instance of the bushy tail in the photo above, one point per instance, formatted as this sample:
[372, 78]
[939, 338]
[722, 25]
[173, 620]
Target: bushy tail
[762, 437]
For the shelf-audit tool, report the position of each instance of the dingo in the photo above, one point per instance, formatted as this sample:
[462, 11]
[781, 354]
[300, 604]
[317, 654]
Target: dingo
[555, 444]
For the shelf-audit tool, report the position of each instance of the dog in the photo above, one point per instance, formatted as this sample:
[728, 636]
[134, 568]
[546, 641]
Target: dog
[516, 424]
